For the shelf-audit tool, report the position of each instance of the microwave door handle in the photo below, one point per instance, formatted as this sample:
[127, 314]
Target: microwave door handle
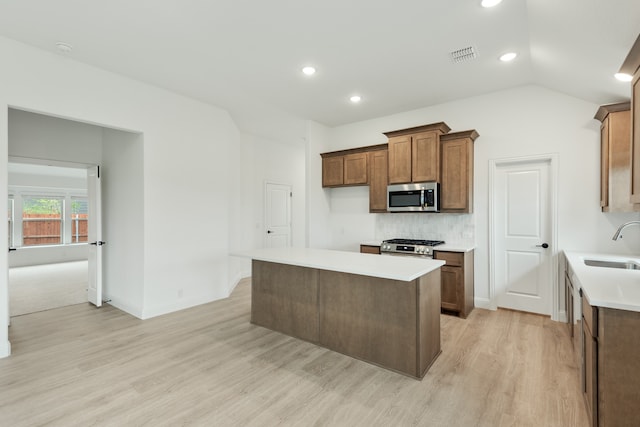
[422, 199]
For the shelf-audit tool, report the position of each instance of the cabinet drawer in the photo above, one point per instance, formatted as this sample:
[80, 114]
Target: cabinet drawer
[590, 316]
[369, 249]
[451, 258]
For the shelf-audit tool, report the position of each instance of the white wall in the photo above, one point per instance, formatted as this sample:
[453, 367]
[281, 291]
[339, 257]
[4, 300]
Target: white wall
[523, 121]
[264, 161]
[185, 162]
[318, 199]
[122, 179]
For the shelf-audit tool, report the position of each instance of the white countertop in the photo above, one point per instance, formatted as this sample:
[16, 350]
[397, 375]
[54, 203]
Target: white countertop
[387, 267]
[455, 247]
[603, 286]
[449, 247]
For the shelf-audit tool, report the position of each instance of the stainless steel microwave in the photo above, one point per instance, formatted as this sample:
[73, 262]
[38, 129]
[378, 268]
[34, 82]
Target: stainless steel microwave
[415, 197]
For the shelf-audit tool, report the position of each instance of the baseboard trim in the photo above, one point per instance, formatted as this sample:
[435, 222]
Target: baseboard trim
[483, 303]
[5, 349]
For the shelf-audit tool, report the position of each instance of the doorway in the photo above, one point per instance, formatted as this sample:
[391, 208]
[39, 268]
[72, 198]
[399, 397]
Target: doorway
[522, 237]
[277, 215]
[48, 233]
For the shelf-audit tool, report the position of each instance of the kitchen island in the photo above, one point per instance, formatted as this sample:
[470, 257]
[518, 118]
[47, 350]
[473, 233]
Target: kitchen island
[382, 310]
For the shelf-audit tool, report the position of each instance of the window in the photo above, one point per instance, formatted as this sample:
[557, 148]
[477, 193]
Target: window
[42, 220]
[79, 220]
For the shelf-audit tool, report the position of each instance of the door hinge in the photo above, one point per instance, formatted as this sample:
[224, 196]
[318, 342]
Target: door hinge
[290, 193]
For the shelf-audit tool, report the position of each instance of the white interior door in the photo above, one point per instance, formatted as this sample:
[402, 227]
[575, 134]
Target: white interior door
[278, 215]
[522, 227]
[94, 236]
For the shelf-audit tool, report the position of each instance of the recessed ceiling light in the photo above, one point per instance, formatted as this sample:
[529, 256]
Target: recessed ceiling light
[623, 77]
[64, 47]
[355, 99]
[309, 71]
[508, 57]
[490, 3]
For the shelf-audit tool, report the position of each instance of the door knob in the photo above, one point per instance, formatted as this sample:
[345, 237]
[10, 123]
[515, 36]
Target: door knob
[543, 246]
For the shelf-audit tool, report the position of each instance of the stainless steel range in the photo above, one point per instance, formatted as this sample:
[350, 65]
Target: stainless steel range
[423, 248]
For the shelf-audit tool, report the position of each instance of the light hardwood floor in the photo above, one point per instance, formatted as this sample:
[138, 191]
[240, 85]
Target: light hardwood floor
[81, 366]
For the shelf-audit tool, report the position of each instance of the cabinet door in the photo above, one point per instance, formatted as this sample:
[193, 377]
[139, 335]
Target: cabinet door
[355, 169]
[568, 298]
[635, 138]
[399, 159]
[378, 180]
[451, 288]
[456, 187]
[368, 249]
[604, 163]
[590, 373]
[332, 171]
[425, 159]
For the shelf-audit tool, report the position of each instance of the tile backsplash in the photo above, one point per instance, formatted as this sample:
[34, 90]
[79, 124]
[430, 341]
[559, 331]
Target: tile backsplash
[447, 227]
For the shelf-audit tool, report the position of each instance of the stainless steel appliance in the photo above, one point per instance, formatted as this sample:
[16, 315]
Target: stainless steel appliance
[422, 248]
[415, 197]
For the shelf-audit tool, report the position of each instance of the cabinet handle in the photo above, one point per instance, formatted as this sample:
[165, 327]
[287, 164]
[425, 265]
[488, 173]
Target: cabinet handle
[544, 246]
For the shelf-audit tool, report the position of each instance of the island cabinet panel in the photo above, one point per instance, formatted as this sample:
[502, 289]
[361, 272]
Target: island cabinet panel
[391, 323]
[284, 298]
[377, 326]
[428, 320]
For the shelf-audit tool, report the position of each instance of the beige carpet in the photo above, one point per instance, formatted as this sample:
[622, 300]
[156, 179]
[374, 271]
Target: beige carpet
[43, 287]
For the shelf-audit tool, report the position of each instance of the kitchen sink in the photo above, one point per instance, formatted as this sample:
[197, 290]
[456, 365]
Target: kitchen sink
[627, 265]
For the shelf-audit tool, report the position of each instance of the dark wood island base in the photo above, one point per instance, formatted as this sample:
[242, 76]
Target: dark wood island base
[394, 324]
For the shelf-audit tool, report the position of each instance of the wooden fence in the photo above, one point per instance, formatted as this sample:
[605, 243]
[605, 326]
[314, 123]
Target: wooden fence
[46, 229]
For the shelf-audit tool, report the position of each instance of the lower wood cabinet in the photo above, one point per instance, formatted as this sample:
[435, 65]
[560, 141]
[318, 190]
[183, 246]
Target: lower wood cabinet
[457, 282]
[369, 249]
[610, 365]
[456, 279]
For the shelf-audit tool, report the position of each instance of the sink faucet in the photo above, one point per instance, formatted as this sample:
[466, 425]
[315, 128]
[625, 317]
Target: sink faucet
[617, 235]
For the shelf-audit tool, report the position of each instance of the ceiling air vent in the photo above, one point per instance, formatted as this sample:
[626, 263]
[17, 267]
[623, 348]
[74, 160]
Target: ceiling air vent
[464, 54]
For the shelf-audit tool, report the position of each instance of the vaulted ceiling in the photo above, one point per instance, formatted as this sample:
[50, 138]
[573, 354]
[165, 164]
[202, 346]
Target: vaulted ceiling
[246, 55]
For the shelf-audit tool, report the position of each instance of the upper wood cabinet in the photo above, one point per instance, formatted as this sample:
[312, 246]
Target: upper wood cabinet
[378, 180]
[414, 153]
[347, 167]
[456, 175]
[615, 158]
[635, 135]
[631, 66]
[332, 171]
